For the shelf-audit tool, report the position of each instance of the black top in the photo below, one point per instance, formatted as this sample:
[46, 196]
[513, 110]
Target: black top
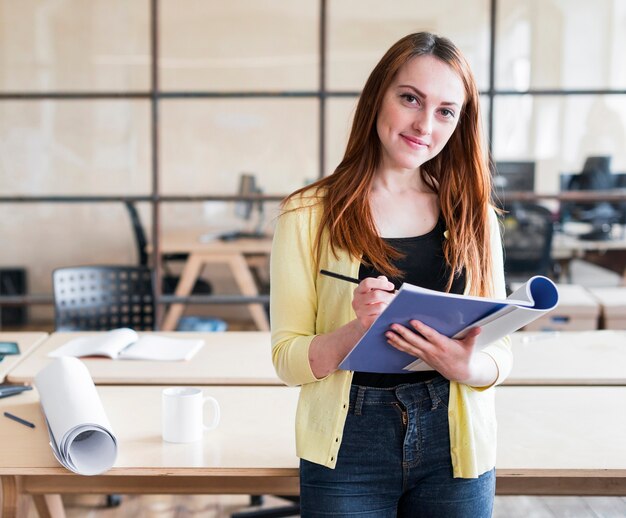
[422, 265]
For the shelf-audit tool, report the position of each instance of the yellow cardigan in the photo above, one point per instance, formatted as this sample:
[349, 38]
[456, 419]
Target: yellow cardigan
[304, 303]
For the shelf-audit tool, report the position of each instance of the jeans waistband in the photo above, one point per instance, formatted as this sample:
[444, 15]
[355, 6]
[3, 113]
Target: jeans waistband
[406, 394]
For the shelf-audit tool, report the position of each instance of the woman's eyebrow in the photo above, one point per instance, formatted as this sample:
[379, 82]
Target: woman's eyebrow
[424, 96]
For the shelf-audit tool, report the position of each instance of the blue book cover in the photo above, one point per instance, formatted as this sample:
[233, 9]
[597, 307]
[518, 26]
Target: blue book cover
[451, 315]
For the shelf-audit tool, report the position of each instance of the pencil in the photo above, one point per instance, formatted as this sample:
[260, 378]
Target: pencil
[346, 278]
[19, 420]
[339, 276]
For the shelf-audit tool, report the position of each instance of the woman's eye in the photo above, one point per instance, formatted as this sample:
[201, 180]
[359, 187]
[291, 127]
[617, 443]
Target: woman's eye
[448, 114]
[409, 98]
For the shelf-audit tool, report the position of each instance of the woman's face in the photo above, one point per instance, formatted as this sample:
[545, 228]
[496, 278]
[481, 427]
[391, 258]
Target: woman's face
[419, 112]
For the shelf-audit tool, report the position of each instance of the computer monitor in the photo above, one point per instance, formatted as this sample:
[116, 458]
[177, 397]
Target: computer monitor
[247, 186]
[595, 176]
[245, 209]
[512, 176]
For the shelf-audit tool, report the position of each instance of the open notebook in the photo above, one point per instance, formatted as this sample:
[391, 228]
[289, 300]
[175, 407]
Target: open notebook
[452, 315]
[126, 344]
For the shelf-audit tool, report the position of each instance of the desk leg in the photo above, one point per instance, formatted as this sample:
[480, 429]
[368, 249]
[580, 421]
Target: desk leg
[49, 506]
[245, 281]
[9, 496]
[190, 273]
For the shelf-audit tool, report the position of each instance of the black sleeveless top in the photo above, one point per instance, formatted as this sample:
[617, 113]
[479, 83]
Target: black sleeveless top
[422, 265]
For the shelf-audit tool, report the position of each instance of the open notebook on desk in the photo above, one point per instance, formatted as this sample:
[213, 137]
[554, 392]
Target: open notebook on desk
[452, 315]
[126, 344]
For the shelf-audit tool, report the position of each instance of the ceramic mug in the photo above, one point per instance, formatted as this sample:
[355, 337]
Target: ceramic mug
[182, 416]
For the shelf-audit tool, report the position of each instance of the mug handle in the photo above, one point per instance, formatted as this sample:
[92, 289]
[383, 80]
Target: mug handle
[216, 413]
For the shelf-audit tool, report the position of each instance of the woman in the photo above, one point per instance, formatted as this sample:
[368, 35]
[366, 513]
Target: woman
[410, 201]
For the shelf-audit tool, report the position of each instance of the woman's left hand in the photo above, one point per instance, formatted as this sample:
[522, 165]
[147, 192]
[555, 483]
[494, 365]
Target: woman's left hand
[453, 359]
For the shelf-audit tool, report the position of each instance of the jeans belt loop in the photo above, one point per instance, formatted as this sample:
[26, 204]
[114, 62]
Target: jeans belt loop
[358, 404]
[434, 397]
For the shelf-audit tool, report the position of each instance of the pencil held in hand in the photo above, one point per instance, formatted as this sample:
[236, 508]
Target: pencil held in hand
[346, 278]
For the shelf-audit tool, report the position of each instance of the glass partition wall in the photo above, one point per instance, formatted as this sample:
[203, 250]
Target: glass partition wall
[167, 103]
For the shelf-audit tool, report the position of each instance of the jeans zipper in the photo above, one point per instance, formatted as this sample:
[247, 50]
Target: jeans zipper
[403, 414]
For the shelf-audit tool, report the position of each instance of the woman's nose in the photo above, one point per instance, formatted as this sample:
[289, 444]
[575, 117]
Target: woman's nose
[423, 122]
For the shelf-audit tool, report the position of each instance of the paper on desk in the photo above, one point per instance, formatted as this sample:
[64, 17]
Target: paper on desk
[80, 433]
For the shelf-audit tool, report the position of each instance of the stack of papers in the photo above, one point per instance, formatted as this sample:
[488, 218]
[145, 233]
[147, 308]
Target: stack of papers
[80, 433]
[125, 344]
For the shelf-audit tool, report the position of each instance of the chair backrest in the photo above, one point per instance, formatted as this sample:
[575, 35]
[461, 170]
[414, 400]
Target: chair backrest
[96, 298]
[139, 233]
[528, 230]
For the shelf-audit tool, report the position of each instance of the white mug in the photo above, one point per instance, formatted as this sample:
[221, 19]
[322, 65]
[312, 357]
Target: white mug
[182, 416]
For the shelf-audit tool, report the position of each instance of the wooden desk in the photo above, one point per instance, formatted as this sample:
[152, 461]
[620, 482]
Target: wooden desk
[234, 254]
[551, 440]
[239, 358]
[561, 440]
[26, 342]
[251, 452]
[232, 358]
[569, 358]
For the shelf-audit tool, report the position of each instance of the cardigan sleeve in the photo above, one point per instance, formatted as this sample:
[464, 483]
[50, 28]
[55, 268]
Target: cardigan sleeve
[500, 350]
[293, 296]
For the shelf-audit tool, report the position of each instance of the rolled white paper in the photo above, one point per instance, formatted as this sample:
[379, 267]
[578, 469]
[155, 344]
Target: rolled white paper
[80, 433]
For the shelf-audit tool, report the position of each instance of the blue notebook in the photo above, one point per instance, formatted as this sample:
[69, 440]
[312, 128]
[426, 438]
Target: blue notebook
[452, 315]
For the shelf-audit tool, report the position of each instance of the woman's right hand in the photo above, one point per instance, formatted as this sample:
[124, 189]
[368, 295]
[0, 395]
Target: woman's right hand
[370, 298]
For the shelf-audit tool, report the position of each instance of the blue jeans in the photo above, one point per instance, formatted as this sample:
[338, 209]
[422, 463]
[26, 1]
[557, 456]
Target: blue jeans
[394, 460]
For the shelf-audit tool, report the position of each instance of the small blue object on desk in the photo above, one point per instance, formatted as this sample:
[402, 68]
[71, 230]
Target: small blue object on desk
[12, 390]
[19, 420]
[201, 324]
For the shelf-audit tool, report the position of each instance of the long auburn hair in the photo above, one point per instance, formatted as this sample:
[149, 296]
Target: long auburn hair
[459, 175]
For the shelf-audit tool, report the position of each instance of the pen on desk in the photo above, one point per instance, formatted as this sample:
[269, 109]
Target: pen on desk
[19, 420]
[346, 278]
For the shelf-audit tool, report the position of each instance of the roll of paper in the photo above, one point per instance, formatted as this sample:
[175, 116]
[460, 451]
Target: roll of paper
[80, 433]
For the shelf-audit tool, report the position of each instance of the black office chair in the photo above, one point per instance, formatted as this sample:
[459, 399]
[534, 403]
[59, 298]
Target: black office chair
[97, 298]
[528, 230]
[100, 298]
[595, 176]
[169, 281]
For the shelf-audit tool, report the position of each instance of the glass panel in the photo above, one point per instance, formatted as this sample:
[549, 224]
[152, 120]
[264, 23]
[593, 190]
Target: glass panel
[207, 144]
[74, 147]
[360, 31]
[339, 116]
[239, 45]
[97, 233]
[561, 44]
[74, 45]
[560, 133]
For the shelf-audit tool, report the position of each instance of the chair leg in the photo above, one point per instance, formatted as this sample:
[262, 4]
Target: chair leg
[114, 500]
[273, 512]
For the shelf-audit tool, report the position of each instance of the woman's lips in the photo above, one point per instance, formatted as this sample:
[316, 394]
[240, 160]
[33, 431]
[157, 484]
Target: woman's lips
[414, 142]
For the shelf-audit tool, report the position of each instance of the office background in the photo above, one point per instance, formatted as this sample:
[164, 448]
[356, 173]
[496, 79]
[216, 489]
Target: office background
[157, 99]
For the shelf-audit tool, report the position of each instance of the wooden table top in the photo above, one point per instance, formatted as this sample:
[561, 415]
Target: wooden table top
[569, 358]
[26, 342]
[256, 433]
[194, 240]
[244, 358]
[550, 431]
[230, 358]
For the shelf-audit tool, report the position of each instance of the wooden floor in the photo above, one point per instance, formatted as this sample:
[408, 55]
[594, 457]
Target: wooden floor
[163, 506]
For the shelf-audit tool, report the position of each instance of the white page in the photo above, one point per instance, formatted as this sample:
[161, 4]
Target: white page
[502, 322]
[71, 405]
[161, 348]
[103, 344]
